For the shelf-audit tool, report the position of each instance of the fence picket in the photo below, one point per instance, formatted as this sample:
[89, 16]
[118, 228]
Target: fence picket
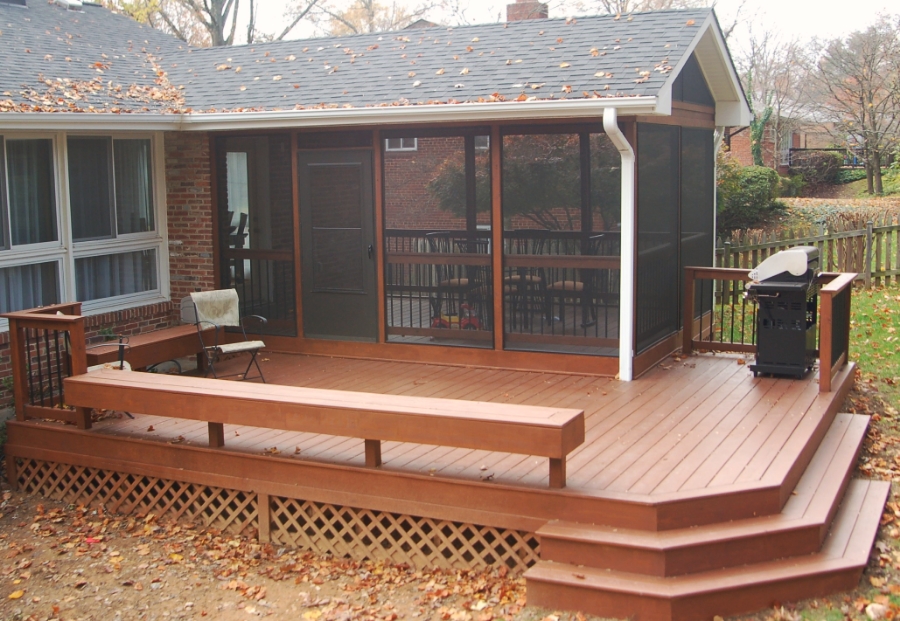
[869, 246]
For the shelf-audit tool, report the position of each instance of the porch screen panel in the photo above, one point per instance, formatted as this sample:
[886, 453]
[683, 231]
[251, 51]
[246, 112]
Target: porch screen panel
[561, 215]
[335, 191]
[658, 234]
[437, 240]
[256, 227]
[697, 211]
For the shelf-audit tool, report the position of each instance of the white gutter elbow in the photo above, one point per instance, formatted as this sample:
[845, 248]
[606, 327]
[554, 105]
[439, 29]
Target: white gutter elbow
[628, 227]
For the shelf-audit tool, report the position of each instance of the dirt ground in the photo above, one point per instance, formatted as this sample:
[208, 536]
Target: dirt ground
[66, 562]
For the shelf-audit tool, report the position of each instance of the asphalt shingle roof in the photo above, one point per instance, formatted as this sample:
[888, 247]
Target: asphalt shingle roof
[548, 58]
[108, 60]
[112, 63]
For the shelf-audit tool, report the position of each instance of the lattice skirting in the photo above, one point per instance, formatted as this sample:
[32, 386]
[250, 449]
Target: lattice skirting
[324, 528]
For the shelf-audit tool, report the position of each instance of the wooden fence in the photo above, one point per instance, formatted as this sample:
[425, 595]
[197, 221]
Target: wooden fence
[870, 247]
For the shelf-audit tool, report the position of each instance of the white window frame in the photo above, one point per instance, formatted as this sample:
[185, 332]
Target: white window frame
[65, 251]
[403, 146]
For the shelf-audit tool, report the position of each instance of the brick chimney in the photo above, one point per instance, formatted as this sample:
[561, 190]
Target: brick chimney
[526, 9]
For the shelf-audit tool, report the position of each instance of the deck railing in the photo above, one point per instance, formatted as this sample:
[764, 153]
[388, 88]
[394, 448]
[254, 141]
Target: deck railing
[47, 345]
[721, 318]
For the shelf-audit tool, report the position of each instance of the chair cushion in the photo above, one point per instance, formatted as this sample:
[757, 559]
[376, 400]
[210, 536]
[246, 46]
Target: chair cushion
[234, 348]
[219, 307]
[566, 285]
[110, 365]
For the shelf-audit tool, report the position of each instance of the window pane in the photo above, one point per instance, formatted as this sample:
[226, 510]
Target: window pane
[29, 286]
[115, 274]
[32, 200]
[90, 188]
[134, 197]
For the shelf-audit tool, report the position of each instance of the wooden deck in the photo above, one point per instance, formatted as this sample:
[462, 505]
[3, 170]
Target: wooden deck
[693, 467]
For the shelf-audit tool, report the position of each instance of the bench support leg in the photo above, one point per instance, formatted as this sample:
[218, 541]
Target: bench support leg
[557, 473]
[83, 418]
[216, 435]
[263, 514]
[373, 453]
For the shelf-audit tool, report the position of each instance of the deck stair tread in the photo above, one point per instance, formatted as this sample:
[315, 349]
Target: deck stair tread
[799, 529]
[836, 566]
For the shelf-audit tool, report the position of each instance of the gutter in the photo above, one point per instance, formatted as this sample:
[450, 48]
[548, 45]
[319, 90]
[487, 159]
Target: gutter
[628, 227]
[333, 117]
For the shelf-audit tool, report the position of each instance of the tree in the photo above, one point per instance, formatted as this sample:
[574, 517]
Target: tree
[857, 81]
[775, 80]
[340, 17]
[205, 22]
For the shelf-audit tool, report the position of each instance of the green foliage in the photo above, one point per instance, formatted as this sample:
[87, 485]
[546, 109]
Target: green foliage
[745, 195]
[819, 168]
[790, 187]
[541, 180]
[849, 175]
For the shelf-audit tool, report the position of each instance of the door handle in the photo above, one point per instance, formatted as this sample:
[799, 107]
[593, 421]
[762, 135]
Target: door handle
[371, 251]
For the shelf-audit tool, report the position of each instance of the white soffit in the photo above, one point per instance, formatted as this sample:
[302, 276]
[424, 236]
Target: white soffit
[712, 54]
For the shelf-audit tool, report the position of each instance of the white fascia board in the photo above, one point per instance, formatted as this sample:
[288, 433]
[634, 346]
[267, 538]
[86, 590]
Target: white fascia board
[89, 121]
[334, 117]
[397, 115]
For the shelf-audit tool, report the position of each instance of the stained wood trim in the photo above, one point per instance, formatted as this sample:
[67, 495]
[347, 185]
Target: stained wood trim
[655, 354]
[550, 339]
[563, 260]
[439, 258]
[298, 256]
[214, 207]
[497, 232]
[380, 245]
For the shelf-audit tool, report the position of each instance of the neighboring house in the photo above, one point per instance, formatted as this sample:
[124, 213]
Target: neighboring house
[798, 136]
[138, 170]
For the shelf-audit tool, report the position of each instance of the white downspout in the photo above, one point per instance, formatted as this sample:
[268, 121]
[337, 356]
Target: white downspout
[626, 288]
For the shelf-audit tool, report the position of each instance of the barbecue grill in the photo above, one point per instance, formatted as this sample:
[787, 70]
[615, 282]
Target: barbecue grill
[784, 287]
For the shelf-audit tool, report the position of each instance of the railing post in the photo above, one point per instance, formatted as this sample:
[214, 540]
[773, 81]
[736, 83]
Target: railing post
[688, 332]
[826, 318]
[868, 267]
[17, 355]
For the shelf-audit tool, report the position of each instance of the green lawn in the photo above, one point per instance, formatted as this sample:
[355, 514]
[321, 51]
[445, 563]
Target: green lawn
[875, 339]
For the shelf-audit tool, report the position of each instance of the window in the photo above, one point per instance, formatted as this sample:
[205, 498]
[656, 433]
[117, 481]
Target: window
[30, 183]
[97, 242]
[401, 144]
[482, 143]
[109, 187]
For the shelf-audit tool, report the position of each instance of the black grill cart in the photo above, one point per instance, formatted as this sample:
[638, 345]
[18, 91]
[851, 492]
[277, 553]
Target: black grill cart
[784, 286]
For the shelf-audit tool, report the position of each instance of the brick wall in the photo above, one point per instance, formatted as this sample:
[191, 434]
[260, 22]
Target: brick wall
[190, 208]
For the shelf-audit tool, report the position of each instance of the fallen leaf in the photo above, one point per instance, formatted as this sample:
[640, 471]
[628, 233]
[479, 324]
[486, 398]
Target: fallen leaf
[16, 594]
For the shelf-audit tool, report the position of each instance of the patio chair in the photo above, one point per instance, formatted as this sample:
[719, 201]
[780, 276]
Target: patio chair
[524, 286]
[220, 309]
[575, 284]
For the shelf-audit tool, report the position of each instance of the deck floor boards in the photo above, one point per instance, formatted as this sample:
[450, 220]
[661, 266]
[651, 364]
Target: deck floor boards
[689, 424]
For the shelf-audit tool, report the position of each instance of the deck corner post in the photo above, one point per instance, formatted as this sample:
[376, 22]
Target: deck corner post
[557, 473]
[373, 453]
[12, 472]
[216, 435]
[264, 517]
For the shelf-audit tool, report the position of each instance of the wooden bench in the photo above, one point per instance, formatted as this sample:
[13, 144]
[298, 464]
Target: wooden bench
[151, 348]
[520, 429]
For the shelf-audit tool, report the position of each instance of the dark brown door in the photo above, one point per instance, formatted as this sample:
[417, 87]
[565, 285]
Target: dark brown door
[337, 245]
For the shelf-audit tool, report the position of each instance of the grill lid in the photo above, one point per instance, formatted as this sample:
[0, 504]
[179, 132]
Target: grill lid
[795, 261]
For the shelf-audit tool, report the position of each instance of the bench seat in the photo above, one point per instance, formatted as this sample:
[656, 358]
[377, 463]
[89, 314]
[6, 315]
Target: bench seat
[150, 348]
[521, 429]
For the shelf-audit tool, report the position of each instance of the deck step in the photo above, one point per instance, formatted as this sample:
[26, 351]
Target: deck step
[798, 530]
[836, 567]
